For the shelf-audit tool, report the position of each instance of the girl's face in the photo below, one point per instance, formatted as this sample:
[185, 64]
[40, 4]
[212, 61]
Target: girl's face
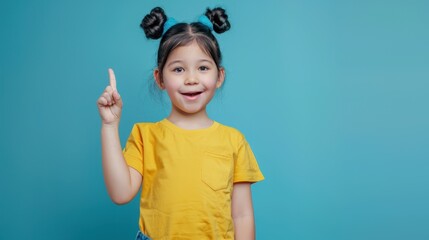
[190, 77]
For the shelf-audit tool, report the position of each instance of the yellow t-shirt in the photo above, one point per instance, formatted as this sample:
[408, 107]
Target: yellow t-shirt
[188, 177]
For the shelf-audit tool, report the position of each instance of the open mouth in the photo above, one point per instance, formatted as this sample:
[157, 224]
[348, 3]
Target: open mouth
[191, 94]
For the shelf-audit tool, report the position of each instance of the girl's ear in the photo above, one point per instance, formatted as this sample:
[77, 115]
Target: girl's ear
[158, 80]
[221, 77]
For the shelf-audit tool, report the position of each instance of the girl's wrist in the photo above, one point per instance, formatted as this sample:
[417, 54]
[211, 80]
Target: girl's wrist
[113, 126]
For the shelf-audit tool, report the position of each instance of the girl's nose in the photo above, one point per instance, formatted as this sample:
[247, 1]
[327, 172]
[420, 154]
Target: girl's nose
[191, 79]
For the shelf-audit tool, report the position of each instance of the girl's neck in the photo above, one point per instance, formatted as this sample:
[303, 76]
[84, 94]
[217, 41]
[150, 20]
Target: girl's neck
[190, 121]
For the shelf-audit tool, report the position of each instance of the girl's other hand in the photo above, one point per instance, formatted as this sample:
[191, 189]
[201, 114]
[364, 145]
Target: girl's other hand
[110, 103]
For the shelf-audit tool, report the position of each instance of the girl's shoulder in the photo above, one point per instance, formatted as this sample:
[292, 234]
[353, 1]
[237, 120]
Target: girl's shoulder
[232, 131]
[145, 126]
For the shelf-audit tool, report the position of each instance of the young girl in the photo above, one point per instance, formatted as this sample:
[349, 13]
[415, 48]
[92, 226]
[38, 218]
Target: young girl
[195, 173]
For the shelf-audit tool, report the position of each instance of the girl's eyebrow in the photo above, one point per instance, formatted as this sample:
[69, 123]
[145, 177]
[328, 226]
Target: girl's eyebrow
[199, 61]
[173, 62]
[206, 60]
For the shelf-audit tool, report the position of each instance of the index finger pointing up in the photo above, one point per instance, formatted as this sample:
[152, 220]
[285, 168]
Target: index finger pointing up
[112, 79]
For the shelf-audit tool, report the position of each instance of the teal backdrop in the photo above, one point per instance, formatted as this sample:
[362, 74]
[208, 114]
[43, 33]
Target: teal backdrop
[332, 96]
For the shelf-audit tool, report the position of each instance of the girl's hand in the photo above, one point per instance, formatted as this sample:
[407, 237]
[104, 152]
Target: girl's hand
[110, 103]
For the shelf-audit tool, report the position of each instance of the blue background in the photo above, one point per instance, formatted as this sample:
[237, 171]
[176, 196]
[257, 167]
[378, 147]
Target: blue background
[332, 96]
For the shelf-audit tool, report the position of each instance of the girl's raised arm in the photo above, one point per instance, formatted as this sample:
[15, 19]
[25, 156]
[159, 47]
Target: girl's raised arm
[122, 181]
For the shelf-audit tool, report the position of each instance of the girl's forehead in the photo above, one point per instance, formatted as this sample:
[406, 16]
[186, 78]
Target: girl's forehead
[189, 51]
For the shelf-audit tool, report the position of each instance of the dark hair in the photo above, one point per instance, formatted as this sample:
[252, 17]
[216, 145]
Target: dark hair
[182, 34]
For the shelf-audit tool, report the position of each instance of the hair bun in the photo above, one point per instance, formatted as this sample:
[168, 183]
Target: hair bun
[153, 23]
[219, 19]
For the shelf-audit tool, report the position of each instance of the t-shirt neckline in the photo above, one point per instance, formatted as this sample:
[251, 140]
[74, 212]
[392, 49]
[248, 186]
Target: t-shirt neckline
[174, 127]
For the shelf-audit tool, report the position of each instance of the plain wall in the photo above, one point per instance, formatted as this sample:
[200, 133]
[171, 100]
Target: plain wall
[332, 96]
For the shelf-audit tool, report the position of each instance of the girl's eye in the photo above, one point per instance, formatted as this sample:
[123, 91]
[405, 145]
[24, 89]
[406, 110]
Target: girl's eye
[178, 70]
[204, 68]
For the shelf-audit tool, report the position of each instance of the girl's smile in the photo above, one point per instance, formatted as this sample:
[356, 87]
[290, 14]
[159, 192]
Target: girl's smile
[192, 95]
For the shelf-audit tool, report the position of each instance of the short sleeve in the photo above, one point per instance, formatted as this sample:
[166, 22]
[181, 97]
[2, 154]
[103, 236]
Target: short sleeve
[246, 167]
[133, 151]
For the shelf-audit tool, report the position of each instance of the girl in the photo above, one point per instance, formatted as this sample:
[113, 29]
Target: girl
[196, 173]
